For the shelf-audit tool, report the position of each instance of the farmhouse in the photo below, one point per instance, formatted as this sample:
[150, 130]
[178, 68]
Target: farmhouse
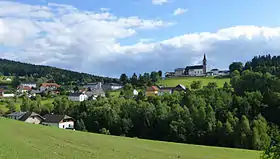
[79, 97]
[28, 84]
[28, 117]
[49, 86]
[151, 91]
[60, 121]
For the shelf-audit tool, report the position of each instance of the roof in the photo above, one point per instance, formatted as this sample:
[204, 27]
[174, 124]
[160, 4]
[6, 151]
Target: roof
[179, 69]
[114, 84]
[50, 85]
[215, 69]
[28, 83]
[30, 114]
[16, 114]
[75, 94]
[51, 118]
[24, 115]
[24, 87]
[152, 88]
[181, 86]
[195, 67]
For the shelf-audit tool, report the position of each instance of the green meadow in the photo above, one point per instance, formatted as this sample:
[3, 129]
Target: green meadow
[28, 141]
[173, 81]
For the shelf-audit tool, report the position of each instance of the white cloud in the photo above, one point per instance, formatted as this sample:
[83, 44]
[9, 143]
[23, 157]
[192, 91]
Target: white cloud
[90, 41]
[159, 2]
[179, 11]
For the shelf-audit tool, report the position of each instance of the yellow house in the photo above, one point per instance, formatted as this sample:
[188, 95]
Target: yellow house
[152, 91]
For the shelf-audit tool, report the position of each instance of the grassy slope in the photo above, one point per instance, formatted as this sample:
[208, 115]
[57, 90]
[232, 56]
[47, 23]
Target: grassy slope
[27, 141]
[188, 80]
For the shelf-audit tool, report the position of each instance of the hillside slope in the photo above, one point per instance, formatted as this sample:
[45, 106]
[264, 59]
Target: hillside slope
[8, 67]
[27, 141]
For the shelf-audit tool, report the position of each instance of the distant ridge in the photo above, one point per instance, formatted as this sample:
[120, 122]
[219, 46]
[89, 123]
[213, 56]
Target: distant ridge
[16, 68]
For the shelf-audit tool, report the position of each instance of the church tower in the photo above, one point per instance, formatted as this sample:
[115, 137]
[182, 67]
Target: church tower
[204, 64]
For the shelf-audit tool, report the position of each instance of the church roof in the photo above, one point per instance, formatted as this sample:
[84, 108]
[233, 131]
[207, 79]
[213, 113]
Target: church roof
[195, 67]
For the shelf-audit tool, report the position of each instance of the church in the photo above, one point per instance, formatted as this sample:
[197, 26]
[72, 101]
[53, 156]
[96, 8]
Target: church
[196, 70]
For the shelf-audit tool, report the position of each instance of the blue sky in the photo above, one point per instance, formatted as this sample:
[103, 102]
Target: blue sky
[71, 30]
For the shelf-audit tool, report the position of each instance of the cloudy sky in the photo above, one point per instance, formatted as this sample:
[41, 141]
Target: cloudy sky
[111, 37]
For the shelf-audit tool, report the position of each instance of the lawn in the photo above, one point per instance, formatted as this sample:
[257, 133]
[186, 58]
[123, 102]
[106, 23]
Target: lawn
[28, 141]
[171, 82]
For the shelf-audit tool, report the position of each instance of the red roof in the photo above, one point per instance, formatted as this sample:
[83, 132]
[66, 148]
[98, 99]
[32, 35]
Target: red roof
[153, 88]
[50, 85]
[24, 87]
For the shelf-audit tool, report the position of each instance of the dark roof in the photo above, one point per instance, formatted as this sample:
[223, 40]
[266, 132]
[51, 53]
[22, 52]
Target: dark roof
[51, 118]
[75, 94]
[195, 67]
[215, 69]
[30, 114]
[180, 86]
[166, 88]
[179, 69]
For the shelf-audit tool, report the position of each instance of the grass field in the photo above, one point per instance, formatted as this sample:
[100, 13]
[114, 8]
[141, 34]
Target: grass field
[171, 82]
[28, 141]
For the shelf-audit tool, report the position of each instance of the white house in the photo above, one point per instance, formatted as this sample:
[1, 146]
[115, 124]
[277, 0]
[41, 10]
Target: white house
[28, 117]
[8, 79]
[79, 97]
[60, 121]
[10, 95]
[135, 92]
[29, 84]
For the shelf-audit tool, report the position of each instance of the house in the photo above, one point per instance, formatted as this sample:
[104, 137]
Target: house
[28, 117]
[179, 71]
[112, 86]
[79, 97]
[95, 93]
[8, 79]
[165, 90]
[23, 89]
[8, 95]
[92, 86]
[217, 72]
[170, 90]
[49, 86]
[60, 121]
[179, 88]
[135, 92]
[151, 91]
[28, 84]
[169, 74]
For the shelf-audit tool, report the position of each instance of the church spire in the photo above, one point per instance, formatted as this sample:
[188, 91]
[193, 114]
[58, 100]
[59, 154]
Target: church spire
[204, 64]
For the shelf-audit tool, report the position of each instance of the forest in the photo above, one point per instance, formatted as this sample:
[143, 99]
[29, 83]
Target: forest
[242, 114]
[61, 76]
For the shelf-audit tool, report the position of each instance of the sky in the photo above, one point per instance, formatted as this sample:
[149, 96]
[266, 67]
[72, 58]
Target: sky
[110, 37]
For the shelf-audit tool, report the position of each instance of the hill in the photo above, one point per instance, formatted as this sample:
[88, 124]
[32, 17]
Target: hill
[171, 82]
[27, 141]
[13, 68]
